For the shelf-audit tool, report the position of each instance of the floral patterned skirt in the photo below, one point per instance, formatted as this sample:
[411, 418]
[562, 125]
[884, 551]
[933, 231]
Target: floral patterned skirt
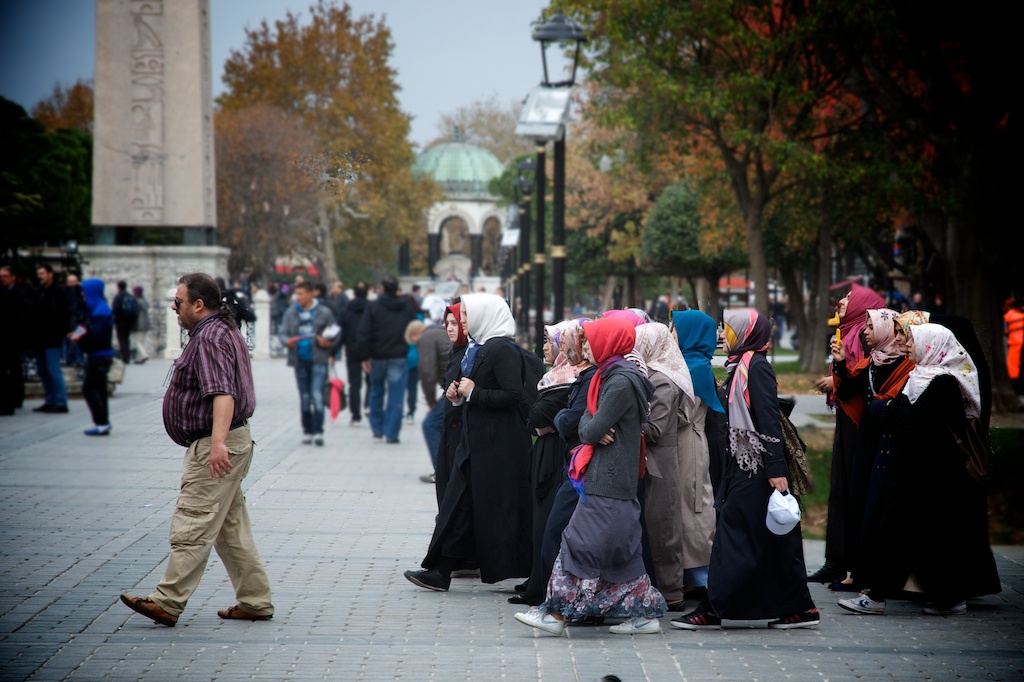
[578, 598]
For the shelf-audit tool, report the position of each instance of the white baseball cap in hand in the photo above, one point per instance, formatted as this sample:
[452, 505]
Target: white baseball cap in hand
[783, 513]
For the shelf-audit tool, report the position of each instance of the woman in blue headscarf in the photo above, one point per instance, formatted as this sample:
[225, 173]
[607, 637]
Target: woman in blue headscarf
[94, 338]
[697, 337]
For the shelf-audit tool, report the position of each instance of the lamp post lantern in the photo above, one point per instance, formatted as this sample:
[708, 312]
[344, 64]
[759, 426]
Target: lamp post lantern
[543, 119]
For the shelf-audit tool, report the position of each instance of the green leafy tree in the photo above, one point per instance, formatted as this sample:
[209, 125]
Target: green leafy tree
[678, 241]
[45, 182]
[732, 81]
[333, 73]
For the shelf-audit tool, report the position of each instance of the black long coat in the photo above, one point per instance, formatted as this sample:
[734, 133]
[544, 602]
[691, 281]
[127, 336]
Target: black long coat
[755, 574]
[937, 529]
[486, 508]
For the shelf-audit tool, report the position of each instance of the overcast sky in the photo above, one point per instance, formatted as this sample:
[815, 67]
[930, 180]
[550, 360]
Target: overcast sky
[448, 53]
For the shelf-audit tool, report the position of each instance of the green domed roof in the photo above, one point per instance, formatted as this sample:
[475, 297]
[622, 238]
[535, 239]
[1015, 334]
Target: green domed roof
[463, 170]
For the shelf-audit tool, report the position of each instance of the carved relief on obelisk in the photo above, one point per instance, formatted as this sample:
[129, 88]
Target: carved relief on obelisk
[147, 103]
[153, 162]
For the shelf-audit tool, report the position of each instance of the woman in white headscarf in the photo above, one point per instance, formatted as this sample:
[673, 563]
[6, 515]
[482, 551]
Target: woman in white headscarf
[485, 510]
[680, 527]
[938, 528]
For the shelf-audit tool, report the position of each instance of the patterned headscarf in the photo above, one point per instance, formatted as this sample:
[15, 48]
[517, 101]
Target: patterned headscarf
[885, 351]
[561, 372]
[659, 350]
[570, 342]
[746, 333]
[911, 318]
[937, 352]
[698, 337]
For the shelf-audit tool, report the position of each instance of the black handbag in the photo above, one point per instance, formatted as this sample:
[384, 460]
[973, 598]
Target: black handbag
[976, 449]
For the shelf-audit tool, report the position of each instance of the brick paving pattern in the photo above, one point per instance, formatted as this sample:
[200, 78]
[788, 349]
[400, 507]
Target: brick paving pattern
[84, 519]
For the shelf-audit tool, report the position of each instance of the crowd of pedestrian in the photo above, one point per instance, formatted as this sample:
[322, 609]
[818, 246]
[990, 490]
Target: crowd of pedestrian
[58, 322]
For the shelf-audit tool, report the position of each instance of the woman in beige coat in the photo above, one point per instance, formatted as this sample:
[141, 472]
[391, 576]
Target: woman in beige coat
[679, 504]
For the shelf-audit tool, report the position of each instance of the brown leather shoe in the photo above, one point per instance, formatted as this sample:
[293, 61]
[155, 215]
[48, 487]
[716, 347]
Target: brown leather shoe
[238, 613]
[150, 609]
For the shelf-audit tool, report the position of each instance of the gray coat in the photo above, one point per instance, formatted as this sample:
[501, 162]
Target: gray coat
[322, 319]
[622, 404]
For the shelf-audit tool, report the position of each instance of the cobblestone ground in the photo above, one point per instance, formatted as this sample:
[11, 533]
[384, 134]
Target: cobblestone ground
[84, 519]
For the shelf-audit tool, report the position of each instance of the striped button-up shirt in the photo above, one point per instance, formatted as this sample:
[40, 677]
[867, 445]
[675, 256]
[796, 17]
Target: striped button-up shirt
[215, 362]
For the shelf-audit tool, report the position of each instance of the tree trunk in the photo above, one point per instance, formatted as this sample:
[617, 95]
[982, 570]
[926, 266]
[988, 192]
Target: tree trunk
[608, 296]
[330, 273]
[758, 262]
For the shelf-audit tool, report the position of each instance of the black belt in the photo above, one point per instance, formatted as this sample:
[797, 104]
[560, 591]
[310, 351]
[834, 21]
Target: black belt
[196, 435]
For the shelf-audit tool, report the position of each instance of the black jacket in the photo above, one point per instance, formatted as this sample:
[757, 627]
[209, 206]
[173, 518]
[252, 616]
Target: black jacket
[51, 315]
[350, 320]
[382, 329]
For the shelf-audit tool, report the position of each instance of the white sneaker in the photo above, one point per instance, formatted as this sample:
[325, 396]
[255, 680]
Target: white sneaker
[307, 439]
[954, 610]
[542, 620]
[637, 626]
[318, 439]
[863, 604]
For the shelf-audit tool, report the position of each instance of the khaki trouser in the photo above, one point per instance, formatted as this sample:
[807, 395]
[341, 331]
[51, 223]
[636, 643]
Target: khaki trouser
[211, 513]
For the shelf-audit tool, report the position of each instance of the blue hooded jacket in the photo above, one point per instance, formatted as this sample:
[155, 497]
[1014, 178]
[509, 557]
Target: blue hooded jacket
[99, 325]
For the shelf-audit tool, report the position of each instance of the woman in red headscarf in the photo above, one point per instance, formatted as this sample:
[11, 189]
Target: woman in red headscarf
[451, 428]
[843, 527]
[600, 570]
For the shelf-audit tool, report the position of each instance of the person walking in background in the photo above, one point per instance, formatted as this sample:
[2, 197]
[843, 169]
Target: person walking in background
[140, 334]
[600, 570]
[95, 338]
[433, 348]
[51, 315]
[382, 342]
[79, 313]
[756, 572]
[1013, 329]
[206, 410]
[303, 331]
[126, 313]
[412, 364]
[350, 322]
[15, 311]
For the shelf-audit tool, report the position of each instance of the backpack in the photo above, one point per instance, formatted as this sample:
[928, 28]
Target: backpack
[531, 370]
[129, 308]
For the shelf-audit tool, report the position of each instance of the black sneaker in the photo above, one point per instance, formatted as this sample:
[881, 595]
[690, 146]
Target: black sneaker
[804, 619]
[698, 620]
[431, 580]
[827, 573]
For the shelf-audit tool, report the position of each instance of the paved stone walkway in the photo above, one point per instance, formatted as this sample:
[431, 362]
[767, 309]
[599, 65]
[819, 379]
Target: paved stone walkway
[84, 519]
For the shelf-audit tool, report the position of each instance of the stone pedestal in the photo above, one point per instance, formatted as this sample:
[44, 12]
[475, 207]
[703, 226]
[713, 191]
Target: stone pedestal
[261, 306]
[157, 270]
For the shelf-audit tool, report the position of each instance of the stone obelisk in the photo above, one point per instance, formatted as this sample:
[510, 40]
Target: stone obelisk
[153, 170]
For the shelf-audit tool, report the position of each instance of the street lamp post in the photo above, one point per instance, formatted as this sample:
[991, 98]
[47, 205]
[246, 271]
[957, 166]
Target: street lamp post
[539, 253]
[524, 185]
[558, 29]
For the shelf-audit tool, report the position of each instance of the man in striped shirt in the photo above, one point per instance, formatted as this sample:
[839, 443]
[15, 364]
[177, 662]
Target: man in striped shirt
[206, 409]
